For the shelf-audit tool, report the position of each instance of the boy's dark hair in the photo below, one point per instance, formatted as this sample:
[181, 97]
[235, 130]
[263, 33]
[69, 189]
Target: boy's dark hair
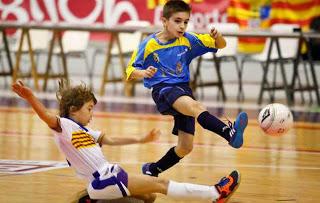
[174, 6]
[74, 97]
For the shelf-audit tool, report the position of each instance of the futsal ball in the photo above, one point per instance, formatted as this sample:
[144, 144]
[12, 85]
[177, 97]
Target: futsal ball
[275, 119]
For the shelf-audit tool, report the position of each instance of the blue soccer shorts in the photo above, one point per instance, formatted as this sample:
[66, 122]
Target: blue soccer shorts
[164, 95]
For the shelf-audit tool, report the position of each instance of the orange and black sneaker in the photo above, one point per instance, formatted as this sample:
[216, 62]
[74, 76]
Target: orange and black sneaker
[227, 186]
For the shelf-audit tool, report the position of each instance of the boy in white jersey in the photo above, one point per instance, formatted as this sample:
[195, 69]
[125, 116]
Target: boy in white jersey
[80, 145]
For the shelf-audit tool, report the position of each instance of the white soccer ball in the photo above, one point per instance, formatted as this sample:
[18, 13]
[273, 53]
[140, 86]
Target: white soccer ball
[275, 119]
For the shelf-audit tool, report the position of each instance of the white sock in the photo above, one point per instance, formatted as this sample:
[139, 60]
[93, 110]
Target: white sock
[192, 191]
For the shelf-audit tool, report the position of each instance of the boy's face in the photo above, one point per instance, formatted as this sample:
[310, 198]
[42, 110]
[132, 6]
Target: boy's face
[177, 24]
[84, 114]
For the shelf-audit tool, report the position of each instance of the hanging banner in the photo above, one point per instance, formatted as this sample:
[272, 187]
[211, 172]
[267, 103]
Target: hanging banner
[299, 12]
[249, 14]
[108, 12]
[252, 14]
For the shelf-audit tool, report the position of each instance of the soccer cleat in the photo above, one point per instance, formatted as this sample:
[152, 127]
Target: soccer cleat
[236, 130]
[146, 170]
[227, 186]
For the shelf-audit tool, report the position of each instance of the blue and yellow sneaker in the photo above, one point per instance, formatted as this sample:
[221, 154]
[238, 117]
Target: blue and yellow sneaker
[227, 186]
[237, 129]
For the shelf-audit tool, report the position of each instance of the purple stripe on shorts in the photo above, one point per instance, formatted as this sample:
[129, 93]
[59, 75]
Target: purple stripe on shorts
[123, 177]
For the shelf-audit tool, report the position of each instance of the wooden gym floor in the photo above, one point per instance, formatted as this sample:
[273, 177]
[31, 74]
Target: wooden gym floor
[274, 169]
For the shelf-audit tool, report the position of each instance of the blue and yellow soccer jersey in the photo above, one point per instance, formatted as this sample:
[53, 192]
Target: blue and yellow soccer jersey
[172, 58]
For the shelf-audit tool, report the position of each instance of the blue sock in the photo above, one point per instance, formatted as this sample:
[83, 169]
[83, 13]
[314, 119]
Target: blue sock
[212, 123]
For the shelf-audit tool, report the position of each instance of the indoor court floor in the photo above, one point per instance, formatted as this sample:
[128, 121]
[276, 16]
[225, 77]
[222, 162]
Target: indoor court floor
[273, 169]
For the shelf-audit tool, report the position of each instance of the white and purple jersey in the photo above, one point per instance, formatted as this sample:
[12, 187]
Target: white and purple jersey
[81, 148]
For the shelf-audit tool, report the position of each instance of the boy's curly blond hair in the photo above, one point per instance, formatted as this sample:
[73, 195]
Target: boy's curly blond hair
[73, 97]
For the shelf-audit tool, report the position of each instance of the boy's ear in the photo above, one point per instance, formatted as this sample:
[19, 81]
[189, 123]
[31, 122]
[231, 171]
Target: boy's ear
[164, 21]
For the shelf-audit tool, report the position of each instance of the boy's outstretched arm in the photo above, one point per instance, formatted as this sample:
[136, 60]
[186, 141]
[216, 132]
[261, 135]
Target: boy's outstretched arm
[150, 137]
[26, 93]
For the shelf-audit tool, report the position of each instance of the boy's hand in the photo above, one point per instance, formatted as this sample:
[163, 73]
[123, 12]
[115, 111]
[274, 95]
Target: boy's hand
[22, 90]
[214, 33]
[150, 71]
[220, 42]
[153, 135]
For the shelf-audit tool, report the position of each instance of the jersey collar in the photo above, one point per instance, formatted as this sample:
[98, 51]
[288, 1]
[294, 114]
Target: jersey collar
[81, 126]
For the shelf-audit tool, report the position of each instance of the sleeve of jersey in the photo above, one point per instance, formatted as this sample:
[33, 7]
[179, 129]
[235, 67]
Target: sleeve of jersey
[95, 134]
[201, 44]
[66, 126]
[136, 61]
[60, 124]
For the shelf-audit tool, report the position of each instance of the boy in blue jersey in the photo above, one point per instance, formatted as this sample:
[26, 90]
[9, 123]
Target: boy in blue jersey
[162, 60]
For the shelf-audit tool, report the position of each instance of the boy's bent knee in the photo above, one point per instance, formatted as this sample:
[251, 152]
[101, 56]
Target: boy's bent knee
[197, 108]
[183, 150]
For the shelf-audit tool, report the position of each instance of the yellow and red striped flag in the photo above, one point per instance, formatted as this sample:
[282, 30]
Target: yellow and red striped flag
[245, 13]
[294, 12]
[282, 11]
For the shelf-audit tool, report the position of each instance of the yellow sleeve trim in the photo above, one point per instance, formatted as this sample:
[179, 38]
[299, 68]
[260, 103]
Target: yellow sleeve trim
[206, 40]
[129, 71]
[130, 68]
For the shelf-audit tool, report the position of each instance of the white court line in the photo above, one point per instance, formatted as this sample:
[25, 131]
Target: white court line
[62, 164]
[9, 166]
[247, 148]
[198, 145]
[149, 101]
[285, 167]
